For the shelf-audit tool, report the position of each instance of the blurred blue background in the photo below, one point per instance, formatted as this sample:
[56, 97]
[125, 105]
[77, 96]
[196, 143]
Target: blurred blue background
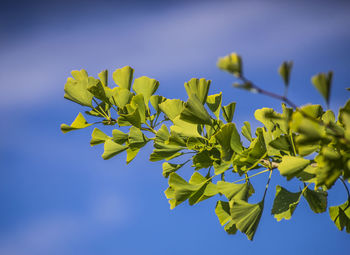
[58, 196]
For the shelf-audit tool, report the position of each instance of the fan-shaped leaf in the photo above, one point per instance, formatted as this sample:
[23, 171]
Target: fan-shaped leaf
[246, 216]
[123, 77]
[78, 123]
[323, 83]
[291, 166]
[145, 86]
[76, 88]
[214, 103]
[111, 149]
[285, 203]
[317, 200]
[199, 87]
[340, 215]
[98, 137]
[228, 111]
[232, 64]
[194, 112]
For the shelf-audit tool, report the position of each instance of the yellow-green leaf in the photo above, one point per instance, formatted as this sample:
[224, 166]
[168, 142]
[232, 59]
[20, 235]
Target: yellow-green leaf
[78, 123]
[123, 77]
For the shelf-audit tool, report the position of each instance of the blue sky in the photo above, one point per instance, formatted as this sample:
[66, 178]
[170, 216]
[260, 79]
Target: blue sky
[57, 194]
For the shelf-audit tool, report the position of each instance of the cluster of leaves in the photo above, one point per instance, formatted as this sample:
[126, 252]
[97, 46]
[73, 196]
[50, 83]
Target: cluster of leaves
[305, 143]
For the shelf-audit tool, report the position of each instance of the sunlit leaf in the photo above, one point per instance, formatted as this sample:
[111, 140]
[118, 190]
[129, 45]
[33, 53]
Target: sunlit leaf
[136, 138]
[104, 77]
[285, 70]
[119, 136]
[291, 166]
[228, 111]
[156, 100]
[198, 87]
[323, 83]
[235, 191]
[222, 210]
[214, 103]
[145, 86]
[76, 88]
[111, 149]
[185, 128]
[172, 108]
[231, 63]
[340, 215]
[131, 153]
[194, 112]
[78, 123]
[229, 140]
[98, 137]
[246, 216]
[123, 77]
[169, 168]
[246, 131]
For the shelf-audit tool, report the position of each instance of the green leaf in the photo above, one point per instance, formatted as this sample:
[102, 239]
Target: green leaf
[185, 128]
[285, 203]
[137, 102]
[76, 88]
[328, 117]
[317, 200]
[98, 137]
[199, 87]
[222, 210]
[221, 167]
[100, 108]
[123, 77]
[246, 131]
[291, 166]
[104, 77]
[136, 138]
[228, 111]
[98, 90]
[246, 216]
[232, 64]
[196, 190]
[229, 140]
[329, 167]
[268, 137]
[285, 70]
[235, 191]
[156, 101]
[202, 160]
[194, 112]
[267, 117]
[310, 132]
[281, 143]
[214, 103]
[172, 108]
[323, 83]
[145, 86]
[165, 151]
[132, 118]
[121, 97]
[111, 149]
[78, 123]
[169, 168]
[340, 215]
[162, 134]
[131, 154]
[119, 136]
